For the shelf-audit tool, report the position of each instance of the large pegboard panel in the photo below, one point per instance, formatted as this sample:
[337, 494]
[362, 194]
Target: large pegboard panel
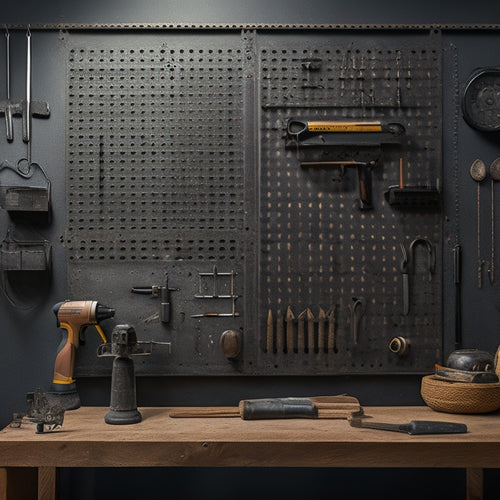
[155, 187]
[154, 150]
[179, 176]
[331, 291]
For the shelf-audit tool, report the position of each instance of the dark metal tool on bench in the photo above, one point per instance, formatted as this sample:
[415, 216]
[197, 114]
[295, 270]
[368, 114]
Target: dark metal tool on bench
[124, 345]
[42, 410]
[414, 427]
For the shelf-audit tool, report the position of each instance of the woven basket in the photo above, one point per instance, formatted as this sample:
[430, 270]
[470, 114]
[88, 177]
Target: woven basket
[460, 397]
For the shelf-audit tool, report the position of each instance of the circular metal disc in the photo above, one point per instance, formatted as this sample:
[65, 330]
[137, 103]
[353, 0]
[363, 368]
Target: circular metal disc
[481, 100]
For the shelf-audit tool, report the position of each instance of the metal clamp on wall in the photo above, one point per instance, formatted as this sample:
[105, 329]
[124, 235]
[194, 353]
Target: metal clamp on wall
[24, 187]
[25, 269]
[16, 255]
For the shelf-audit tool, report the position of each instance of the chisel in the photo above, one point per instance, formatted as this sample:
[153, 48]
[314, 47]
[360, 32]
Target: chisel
[414, 427]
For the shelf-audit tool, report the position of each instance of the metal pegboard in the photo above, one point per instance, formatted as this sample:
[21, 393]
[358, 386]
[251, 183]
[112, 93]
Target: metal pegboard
[156, 189]
[178, 169]
[322, 258]
[154, 151]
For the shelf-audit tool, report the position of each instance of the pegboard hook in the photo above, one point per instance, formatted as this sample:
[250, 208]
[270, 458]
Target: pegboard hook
[431, 256]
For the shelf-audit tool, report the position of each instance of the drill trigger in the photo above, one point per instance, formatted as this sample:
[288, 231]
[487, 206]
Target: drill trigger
[101, 333]
[81, 335]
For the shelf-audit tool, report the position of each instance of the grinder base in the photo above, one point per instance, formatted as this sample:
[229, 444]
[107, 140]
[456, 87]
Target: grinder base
[116, 417]
[67, 397]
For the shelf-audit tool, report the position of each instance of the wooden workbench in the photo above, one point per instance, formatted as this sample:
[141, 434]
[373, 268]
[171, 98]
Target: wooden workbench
[86, 441]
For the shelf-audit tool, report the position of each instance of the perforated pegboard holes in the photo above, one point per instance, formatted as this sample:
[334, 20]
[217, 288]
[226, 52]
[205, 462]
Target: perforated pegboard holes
[317, 247]
[155, 153]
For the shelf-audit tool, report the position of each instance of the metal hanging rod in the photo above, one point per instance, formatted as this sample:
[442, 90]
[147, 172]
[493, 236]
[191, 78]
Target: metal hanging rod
[257, 26]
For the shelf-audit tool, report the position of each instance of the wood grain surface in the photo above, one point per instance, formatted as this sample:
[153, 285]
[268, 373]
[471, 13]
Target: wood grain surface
[86, 440]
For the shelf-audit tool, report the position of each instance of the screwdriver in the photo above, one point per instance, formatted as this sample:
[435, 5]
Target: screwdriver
[215, 315]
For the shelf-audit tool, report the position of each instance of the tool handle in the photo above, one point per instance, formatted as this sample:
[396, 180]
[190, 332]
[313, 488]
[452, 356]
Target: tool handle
[229, 411]
[65, 358]
[259, 409]
[296, 127]
[435, 427]
[365, 186]
[26, 120]
[8, 123]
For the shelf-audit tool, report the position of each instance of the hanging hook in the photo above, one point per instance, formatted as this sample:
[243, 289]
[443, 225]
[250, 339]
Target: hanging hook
[357, 310]
[431, 257]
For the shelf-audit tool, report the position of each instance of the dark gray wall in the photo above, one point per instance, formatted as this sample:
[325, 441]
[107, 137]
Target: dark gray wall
[30, 336]
[254, 11]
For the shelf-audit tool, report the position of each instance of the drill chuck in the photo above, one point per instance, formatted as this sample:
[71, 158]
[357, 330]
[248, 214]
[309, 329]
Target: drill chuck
[103, 312]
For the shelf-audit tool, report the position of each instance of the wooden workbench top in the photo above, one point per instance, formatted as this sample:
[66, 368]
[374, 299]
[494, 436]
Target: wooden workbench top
[85, 440]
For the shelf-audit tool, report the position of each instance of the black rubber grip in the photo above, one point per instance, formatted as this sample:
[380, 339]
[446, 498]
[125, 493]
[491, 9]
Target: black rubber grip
[434, 427]
[261, 409]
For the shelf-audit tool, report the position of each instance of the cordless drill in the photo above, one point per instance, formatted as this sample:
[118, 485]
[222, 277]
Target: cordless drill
[74, 317]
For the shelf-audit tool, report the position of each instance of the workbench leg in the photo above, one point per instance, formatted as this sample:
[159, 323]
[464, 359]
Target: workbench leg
[3, 483]
[47, 483]
[474, 484]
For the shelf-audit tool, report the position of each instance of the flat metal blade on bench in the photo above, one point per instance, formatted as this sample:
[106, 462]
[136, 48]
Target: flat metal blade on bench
[414, 427]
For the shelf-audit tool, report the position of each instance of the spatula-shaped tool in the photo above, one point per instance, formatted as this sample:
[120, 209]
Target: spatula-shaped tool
[413, 427]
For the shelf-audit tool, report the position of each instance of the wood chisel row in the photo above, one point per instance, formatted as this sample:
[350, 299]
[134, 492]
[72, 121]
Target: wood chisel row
[302, 333]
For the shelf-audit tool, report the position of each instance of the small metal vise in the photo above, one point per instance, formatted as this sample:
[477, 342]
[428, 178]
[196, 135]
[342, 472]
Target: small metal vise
[42, 410]
[123, 345]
